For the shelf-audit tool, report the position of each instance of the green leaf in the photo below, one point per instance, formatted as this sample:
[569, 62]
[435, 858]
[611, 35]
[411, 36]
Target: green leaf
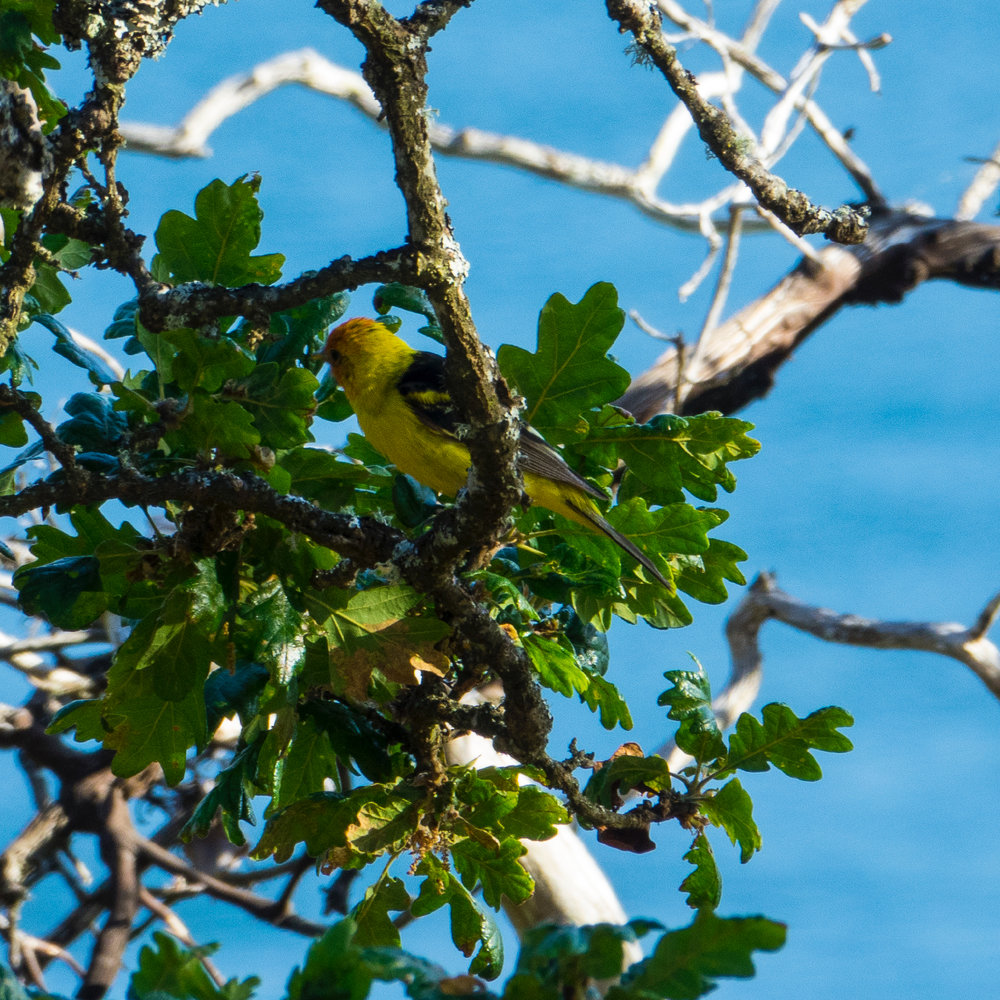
[215, 426]
[610, 783]
[23, 60]
[557, 961]
[304, 765]
[506, 594]
[144, 728]
[48, 294]
[64, 582]
[159, 350]
[92, 528]
[168, 970]
[320, 822]
[352, 737]
[215, 246]
[732, 810]
[227, 694]
[671, 454]
[369, 630]
[559, 670]
[590, 645]
[132, 574]
[205, 362]
[703, 885]
[536, 816]
[273, 629]
[686, 963]
[67, 592]
[123, 324]
[471, 925]
[12, 431]
[596, 584]
[414, 502]
[690, 701]
[93, 425]
[570, 372]
[297, 330]
[335, 968]
[20, 365]
[176, 645]
[323, 477]
[67, 347]
[603, 697]
[702, 577]
[30, 453]
[785, 740]
[371, 915]
[677, 528]
[70, 253]
[486, 796]
[281, 403]
[397, 296]
[85, 715]
[358, 825]
[231, 798]
[333, 404]
[556, 666]
[498, 871]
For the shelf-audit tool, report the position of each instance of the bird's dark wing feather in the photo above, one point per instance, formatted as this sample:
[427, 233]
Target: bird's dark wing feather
[542, 459]
[423, 387]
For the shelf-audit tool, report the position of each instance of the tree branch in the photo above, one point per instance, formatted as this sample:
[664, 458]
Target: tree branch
[118, 851]
[739, 361]
[258, 906]
[969, 645]
[844, 225]
[743, 55]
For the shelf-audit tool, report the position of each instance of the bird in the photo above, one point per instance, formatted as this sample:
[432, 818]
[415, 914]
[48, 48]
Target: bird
[401, 399]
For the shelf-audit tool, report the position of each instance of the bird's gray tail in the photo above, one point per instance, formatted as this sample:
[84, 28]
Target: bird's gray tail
[594, 518]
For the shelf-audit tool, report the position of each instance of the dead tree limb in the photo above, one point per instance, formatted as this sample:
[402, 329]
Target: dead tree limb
[744, 353]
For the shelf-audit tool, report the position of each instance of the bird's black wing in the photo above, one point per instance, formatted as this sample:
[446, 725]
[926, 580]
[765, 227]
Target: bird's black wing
[423, 387]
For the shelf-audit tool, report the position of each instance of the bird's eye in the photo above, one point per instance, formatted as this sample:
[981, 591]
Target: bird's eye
[333, 356]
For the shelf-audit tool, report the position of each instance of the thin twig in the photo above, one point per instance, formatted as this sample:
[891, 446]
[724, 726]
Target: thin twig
[180, 930]
[259, 906]
[774, 81]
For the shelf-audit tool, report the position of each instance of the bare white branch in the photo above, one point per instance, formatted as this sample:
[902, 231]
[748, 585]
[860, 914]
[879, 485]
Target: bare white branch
[803, 246]
[725, 278]
[967, 644]
[743, 55]
[309, 69]
[93, 347]
[764, 601]
[983, 186]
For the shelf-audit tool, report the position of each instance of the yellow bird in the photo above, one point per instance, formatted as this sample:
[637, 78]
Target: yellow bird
[402, 403]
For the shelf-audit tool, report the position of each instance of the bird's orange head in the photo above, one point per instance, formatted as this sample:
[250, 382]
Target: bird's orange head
[353, 348]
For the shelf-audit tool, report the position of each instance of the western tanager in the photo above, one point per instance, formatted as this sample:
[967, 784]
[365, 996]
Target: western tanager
[402, 403]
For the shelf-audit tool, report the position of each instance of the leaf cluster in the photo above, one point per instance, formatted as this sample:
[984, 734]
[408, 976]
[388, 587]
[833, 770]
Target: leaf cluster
[779, 738]
[569, 384]
[554, 962]
[340, 675]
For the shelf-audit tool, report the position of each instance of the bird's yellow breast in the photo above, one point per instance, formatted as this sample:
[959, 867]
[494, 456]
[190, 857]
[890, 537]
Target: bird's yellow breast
[397, 432]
